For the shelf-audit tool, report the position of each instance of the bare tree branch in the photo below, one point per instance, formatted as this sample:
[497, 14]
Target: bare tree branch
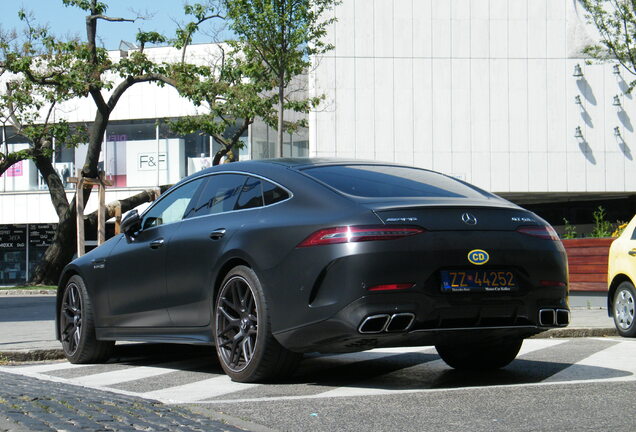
[111, 19]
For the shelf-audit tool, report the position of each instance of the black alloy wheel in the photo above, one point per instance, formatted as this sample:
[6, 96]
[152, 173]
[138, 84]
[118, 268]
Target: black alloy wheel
[71, 319]
[77, 328]
[237, 324]
[242, 331]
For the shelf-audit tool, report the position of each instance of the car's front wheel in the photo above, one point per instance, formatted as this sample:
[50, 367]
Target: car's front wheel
[623, 307]
[480, 356]
[77, 326]
[242, 333]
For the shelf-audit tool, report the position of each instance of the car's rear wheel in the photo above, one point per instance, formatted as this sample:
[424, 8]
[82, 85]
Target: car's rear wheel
[480, 356]
[242, 332]
[623, 307]
[77, 326]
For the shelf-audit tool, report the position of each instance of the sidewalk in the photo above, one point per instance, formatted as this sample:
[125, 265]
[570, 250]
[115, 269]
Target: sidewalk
[27, 327]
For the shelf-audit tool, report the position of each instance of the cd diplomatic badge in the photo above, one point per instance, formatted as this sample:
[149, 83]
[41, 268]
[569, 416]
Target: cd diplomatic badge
[478, 256]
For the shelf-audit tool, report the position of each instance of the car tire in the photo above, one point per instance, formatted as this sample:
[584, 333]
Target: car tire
[480, 356]
[623, 309]
[77, 326]
[247, 350]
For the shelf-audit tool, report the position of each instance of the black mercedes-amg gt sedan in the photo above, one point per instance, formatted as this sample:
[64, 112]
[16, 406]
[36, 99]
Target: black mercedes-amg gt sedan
[267, 260]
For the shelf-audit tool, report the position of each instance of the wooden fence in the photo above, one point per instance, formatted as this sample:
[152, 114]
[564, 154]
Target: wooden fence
[587, 261]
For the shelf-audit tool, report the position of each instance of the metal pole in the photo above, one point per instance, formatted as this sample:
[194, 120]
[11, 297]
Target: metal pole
[157, 159]
[105, 147]
[4, 141]
[27, 252]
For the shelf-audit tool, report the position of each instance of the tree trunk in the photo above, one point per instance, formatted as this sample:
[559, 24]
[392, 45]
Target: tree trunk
[53, 182]
[90, 221]
[96, 137]
[59, 253]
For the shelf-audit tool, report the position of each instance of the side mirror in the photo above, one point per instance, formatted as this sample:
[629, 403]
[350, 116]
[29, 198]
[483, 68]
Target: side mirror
[131, 223]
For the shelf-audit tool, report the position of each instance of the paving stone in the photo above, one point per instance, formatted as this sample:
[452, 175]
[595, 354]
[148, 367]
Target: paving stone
[30, 404]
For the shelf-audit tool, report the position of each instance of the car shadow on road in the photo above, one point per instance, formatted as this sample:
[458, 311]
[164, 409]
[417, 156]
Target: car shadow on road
[180, 356]
[399, 371]
[419, 370]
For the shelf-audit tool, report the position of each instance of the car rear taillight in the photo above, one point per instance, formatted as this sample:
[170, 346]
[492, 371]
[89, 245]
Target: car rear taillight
[358, 234]
[391, 287]
[541, 231]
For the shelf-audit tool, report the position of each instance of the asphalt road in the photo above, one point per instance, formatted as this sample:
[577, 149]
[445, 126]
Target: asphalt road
[27, 308]
[562, 384]
[580, 407]
[27, 323]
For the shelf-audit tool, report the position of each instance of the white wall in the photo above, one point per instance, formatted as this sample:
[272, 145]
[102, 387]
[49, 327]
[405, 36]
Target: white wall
[480, 89]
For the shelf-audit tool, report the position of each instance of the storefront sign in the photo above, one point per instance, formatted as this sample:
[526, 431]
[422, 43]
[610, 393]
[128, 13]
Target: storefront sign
[15, 170]
[117, 138]
[12, 236]
[149, 161]
[41, 235]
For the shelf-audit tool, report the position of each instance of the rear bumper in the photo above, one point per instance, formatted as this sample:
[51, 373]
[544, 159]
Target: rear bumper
[319, 296]
[453, 319]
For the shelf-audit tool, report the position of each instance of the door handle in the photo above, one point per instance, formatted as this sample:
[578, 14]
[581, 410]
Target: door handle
[217, 234]
[632, 252]
[155, 244]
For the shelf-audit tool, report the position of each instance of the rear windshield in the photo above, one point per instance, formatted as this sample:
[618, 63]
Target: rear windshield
[377, 181]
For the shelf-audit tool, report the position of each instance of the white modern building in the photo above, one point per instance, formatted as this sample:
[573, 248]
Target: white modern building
[494, 92]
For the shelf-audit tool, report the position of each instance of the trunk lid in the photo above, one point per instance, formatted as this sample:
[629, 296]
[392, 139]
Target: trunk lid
[459, 218]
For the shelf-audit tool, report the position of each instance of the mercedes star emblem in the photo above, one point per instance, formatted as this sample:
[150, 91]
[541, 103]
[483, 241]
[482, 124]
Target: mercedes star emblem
[469, 219]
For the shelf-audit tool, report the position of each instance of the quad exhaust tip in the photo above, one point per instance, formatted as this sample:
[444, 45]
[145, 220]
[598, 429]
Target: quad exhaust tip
[399, 322]
[554, 317]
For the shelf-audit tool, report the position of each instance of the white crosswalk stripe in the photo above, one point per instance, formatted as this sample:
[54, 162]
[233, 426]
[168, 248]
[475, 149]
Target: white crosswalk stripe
[106, 379]
[198, 391]
[607, 359]
[50, 367]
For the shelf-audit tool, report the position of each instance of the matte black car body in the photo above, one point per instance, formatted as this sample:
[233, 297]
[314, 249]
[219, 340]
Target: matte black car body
[318, 296]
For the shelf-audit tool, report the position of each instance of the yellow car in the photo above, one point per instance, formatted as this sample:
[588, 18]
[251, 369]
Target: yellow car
[621, 276]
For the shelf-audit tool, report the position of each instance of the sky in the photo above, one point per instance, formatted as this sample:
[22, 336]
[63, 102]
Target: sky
[65, 21]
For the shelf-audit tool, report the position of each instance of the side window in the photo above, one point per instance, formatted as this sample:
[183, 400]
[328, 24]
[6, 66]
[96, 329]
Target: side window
[273, 194]
[251, 194]
[172, 207]
[634, 235]
[218, 195]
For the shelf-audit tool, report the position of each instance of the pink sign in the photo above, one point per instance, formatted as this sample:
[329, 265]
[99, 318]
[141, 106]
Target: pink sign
[15, 170]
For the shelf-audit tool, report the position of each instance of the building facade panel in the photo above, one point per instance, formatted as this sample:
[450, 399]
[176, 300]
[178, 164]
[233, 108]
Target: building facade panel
[497, 85]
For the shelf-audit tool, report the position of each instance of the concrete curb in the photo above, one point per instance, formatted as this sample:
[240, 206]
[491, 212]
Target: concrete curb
[30, 356]
[577, 332]
[19, 292]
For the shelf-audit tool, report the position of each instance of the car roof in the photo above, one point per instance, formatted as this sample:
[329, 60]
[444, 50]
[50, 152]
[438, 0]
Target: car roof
[298, 163]
[291, 163]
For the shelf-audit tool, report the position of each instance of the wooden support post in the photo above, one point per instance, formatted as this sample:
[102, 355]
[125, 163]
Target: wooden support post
[79, 201]
[118, 218]
[101, 211]
[85, 182]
